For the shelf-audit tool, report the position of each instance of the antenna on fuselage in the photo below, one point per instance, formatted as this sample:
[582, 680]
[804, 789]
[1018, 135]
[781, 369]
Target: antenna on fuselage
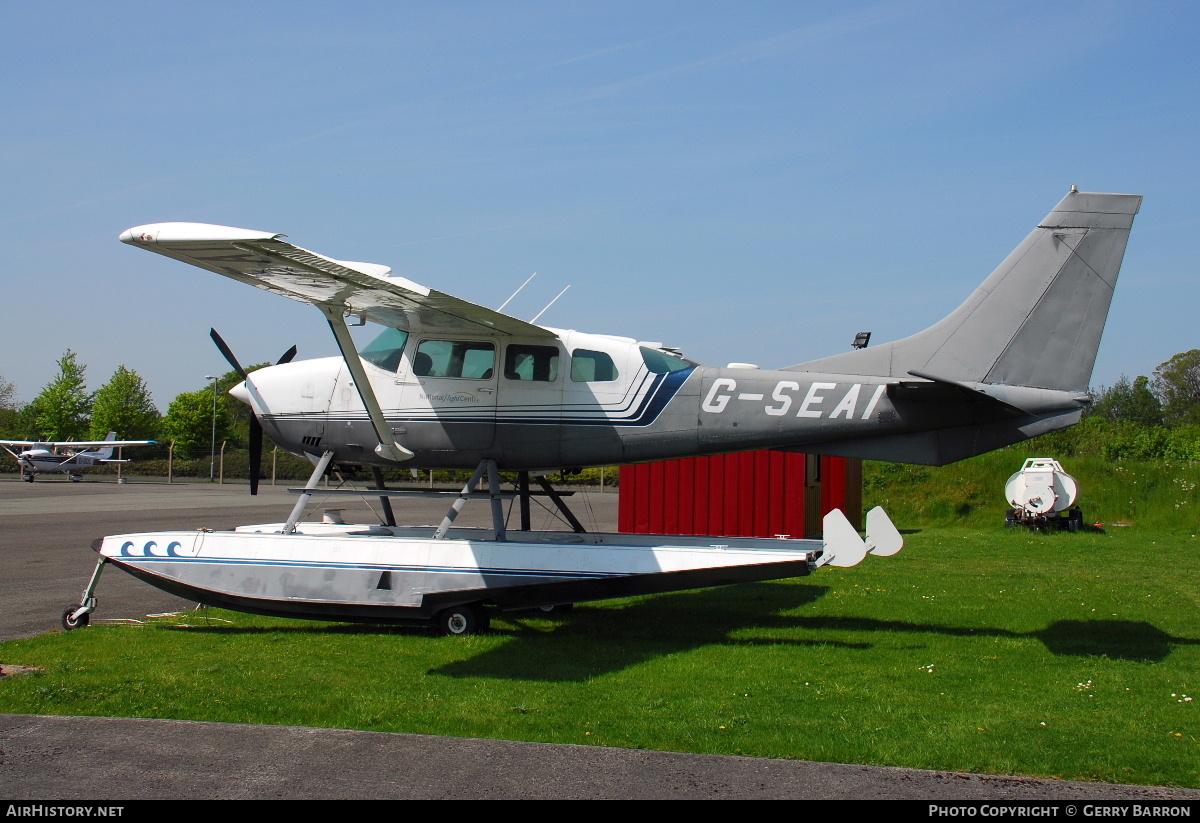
[518, 291]
[548, 305]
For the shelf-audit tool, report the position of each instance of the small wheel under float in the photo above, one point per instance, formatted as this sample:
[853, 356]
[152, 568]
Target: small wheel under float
[70, 621]
[458, 620]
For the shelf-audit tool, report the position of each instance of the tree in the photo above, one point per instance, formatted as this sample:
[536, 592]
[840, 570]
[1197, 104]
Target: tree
[123, 405]
[189, 421]
[1177, 384]
[61, 410]
[1134, 403]
[9, 413]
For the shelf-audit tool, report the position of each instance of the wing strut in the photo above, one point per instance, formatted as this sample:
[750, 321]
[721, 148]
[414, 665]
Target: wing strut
[388, 448]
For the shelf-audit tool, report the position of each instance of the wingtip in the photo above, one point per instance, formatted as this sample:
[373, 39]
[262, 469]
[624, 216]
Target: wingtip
[190, 233]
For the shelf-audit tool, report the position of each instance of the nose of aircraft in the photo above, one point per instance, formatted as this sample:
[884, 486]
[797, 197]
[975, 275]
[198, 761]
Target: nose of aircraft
[241, 392]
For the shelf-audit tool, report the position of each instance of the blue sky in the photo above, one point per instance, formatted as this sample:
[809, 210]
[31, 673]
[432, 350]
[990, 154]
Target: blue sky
[749, 181]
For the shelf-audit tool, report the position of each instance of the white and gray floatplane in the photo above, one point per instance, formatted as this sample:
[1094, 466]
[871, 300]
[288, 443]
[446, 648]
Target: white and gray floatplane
[452, 576]
[450, 384]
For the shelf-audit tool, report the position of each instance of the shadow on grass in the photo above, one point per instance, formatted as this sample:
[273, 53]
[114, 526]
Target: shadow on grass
[589, 642]
[1136, 641]
[592, 641]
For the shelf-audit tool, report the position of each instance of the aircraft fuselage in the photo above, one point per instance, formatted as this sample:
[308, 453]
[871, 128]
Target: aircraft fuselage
[592, 400]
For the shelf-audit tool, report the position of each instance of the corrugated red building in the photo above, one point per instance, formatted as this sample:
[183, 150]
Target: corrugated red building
[749, 494]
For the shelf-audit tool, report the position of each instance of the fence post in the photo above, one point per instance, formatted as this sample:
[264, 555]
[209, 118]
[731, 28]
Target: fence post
[274, 459]
[221, 481]
[171, 462]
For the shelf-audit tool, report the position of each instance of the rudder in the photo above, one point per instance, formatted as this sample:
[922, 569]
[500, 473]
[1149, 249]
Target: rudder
[1037, 319]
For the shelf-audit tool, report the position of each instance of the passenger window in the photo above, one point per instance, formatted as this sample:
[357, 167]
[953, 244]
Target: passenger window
[454, 358]
[661, 362]
[385, 350]
[592, 367]
[538, 363]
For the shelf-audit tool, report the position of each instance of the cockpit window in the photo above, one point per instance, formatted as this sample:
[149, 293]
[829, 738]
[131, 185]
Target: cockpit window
[661, 362]
[455, 358]
[592, 367]
[385, 350]
[523, 362]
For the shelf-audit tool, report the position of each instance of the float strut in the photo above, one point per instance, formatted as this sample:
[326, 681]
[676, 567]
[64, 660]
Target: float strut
[461, 501]
[390, 518]
[523, 490]
[562, 507]
[309, 488]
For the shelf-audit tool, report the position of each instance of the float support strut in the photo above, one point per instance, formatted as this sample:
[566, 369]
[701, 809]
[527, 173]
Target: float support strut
[384, 500]
[562, 507]
[298, 509]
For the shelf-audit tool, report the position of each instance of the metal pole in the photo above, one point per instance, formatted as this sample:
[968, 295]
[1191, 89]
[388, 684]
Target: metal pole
[212, 453]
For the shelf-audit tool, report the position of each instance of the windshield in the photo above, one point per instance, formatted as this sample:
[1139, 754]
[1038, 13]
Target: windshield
[661, 362]
[385, 350]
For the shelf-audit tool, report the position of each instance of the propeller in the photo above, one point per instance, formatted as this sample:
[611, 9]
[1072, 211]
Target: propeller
[256, 430]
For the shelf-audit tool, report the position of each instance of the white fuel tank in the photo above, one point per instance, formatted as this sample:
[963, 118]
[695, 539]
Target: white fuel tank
[1041, 487]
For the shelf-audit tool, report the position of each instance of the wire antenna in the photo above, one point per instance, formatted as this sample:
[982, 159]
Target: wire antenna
[548, 305]
[518, 291]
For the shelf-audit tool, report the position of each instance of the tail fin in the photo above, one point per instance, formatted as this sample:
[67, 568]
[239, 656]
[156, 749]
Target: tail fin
[1036, 321]
[107, 451]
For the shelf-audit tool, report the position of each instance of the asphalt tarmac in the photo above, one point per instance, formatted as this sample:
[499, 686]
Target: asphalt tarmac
[45, 531]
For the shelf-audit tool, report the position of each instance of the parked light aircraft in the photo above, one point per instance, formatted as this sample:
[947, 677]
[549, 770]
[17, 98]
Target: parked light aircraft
[449, 383]
[452, 384]
[69, 457]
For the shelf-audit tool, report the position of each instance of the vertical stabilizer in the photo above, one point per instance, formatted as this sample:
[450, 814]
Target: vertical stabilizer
[1036, 321]
[106, 452]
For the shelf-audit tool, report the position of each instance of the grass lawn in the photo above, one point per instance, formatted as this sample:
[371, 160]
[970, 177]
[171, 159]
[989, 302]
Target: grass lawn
[976, 648]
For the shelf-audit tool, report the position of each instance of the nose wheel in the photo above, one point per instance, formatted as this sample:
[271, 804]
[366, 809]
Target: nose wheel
[76, 617]
[79, 615]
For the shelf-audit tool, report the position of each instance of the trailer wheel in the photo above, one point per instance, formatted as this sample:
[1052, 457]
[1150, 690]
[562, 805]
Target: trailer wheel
[1011, 519]
[1075, 519]
[468, 619]
[70, 622]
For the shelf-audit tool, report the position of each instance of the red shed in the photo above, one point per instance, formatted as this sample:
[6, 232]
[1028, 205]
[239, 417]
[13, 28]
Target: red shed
[749, 494]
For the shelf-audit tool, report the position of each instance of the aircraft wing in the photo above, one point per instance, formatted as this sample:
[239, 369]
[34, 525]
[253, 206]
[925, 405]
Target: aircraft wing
[366, 290]
[77, 444]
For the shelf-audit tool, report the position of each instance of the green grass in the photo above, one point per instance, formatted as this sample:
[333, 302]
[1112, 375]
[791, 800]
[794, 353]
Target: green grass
[1161, 495]
[975, 649]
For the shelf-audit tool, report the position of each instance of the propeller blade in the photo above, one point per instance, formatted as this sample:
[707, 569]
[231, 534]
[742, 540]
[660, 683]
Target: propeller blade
[228, 352]
[256, 448]
[287, 356]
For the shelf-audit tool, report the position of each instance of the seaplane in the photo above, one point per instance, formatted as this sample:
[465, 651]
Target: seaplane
[69, 457]
[449, 384]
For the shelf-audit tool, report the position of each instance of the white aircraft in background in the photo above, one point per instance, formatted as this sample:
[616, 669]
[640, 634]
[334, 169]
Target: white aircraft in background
[67, 457]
